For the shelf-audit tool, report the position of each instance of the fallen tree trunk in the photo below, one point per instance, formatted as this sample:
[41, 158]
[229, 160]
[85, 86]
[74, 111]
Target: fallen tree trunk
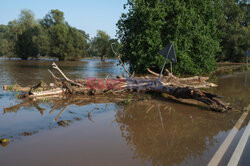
[196, 94]
[47, 92]
[183, 88]
[194, 82]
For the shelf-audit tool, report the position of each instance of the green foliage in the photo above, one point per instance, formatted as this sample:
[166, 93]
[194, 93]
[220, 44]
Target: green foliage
[190, 25]
[77, 44]
[26, 46]
[51, 36]
[235, 30]
[8, 38]
[43, 41]
[5, 44]
[100, 44]
[65, 42]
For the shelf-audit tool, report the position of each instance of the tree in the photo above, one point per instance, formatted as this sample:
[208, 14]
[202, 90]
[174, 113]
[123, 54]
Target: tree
[54, 17]
[4, 43]
[100, 44]
[57, 30]
[25, 45]
[77, 44]
[52, 36]
[8, 38]
[26, 19]
[43, 41]
[65, 42]
[17, 37]
[190, 25]
[235, 30]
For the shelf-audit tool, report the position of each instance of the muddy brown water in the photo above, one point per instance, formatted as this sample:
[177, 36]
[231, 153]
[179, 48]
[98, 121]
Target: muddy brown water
[101, 132]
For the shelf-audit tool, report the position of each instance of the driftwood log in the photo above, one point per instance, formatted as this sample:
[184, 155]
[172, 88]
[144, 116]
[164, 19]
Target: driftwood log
[179, 88]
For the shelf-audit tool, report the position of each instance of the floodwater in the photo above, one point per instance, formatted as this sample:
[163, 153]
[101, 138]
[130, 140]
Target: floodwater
[102, 132]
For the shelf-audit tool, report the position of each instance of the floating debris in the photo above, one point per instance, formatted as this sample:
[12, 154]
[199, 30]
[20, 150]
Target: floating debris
[63, 123]
[4, 142]
[178, 88]
[76, 118]
[28, 133]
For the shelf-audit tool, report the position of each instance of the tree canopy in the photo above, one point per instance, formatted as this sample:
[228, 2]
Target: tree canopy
[235, 30]
[195, 27]
[202, 32]
[100, 44]
[150, 25]
[51, 36]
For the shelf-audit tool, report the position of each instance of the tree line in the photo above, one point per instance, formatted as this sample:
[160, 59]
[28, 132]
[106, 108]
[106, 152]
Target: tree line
[203, 32]
[51, 36]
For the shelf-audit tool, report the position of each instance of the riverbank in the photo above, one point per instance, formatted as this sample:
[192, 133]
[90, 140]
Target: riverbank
[229, 68]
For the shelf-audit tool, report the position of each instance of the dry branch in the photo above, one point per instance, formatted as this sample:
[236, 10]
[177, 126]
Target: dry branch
[64, 76]
[180, 88]
[119, 57]
[194, 82]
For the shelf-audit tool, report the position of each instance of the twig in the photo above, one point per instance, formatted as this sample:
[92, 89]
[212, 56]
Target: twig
[64, 76]
[120, 60]
[59, 115]
[55, 77]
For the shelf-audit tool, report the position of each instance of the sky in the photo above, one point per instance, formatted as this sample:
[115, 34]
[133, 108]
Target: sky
[88, 15]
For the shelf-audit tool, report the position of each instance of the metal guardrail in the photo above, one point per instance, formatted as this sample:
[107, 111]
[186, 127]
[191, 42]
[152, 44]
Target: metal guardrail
[224, 146]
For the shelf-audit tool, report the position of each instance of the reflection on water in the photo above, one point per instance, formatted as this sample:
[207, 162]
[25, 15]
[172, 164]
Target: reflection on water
[172, 134]
[234, 89]
[30, 72]
[156, 132]
[148, 132]
[245, 80]
[33, 115]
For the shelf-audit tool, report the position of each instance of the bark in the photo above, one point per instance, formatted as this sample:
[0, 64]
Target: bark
[194, 82]
[179, 88]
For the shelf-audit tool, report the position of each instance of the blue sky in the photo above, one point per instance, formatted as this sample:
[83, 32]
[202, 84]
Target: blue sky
[88, 15]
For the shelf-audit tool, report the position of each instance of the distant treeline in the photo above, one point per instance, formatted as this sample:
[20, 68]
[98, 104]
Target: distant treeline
[52, 37]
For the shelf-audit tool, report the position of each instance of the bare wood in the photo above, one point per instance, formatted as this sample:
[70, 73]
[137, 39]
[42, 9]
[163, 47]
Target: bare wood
[16, 88]
[56, 78]
[47, 92]
[120, 60]
[190, 93]
[194, 82]
[54, 65]
[155, 74]
[180, 88]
